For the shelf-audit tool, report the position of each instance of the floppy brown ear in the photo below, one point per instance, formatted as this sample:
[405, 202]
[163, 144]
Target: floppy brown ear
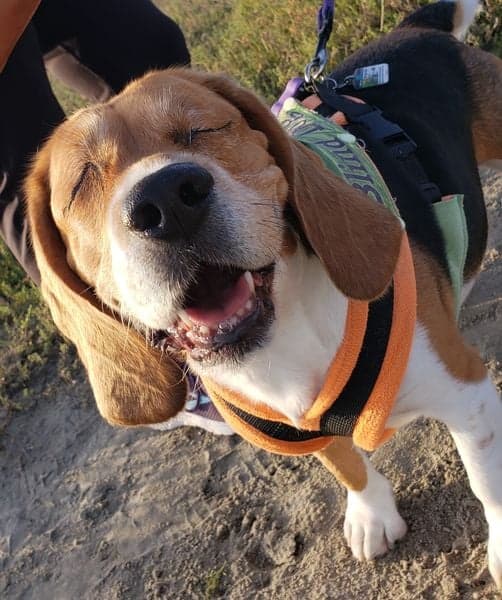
[356, 239]
[132, 383]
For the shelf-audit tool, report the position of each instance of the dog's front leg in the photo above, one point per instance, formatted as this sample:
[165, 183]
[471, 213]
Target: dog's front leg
[472, 412]
[372, 522]
[475, 423]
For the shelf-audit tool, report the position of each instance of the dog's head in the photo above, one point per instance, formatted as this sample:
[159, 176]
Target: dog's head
[159, 219]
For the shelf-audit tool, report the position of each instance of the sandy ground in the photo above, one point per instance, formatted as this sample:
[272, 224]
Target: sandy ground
[91, 512]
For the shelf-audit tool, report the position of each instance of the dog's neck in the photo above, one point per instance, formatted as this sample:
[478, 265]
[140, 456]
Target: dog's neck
[287, 373]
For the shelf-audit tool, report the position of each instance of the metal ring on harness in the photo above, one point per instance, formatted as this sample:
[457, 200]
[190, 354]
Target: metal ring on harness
[325, 16]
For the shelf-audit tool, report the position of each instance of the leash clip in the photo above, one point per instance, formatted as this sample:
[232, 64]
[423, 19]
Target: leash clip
[315, 68]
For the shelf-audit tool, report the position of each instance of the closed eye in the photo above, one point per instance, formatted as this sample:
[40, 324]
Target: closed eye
[88, 169]
[198, 130]
[187, 137]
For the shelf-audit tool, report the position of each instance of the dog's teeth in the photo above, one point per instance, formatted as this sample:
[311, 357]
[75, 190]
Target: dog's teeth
[249, 280]
[199, 353]
[241, 312]
[204, 330]
[249, 305]
[257, 279]
[224, 326]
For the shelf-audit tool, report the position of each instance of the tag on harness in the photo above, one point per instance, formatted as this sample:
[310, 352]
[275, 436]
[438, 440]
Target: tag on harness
[372, 76]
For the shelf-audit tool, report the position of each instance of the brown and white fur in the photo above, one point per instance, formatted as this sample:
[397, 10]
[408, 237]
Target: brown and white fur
[108, 284]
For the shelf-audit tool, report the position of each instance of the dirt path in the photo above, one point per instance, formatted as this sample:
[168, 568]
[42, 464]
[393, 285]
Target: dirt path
[91, 512]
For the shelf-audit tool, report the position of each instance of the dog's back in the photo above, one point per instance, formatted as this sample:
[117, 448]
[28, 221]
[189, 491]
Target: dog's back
[443, 94]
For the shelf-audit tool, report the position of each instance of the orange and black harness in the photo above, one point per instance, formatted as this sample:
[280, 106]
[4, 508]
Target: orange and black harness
[367, 371]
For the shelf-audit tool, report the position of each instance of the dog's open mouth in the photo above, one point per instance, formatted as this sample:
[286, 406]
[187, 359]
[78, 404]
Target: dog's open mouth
[225, 313]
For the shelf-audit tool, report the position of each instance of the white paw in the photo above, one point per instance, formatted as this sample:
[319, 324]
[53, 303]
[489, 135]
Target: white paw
[495, 550]
[372, 523]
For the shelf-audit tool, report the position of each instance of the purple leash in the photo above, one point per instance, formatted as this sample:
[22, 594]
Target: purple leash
[315, 67]
[325, 16]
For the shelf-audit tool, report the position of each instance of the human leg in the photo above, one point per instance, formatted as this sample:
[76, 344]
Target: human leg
[118, 40]
[28, 113]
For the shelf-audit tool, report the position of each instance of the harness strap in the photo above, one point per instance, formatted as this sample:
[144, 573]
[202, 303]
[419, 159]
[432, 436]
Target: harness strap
[366, 401]
[368, 122]
[274, 437]
[369, 431]
[362, 382]
[448, 210]
[339, 374]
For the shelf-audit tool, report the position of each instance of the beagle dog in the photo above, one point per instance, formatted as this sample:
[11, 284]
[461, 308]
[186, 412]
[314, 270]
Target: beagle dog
[181, 211]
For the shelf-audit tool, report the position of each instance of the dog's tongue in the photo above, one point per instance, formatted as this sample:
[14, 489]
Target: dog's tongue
[233, 300]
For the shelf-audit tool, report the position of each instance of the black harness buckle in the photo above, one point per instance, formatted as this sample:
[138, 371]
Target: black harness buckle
[398, 141]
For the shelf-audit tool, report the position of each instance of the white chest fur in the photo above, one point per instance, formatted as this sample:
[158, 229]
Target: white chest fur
[288, 371]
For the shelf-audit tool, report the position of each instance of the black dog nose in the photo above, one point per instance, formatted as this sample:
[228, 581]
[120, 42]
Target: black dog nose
[170, 203]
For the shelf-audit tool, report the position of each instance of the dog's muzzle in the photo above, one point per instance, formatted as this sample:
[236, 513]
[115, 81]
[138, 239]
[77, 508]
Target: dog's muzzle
[223, 308]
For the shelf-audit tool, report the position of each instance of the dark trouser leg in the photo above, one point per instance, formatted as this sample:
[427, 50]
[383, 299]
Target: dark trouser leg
[117, 39]
[28, 113]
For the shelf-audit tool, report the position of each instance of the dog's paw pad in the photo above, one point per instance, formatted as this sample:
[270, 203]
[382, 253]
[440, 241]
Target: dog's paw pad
[372, 525]
[370, 536]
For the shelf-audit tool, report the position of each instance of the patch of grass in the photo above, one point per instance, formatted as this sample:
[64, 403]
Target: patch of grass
[487, 31]
[213, 581]
[28, 336]
[264, 44]
[69, 100]
[204, 25]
